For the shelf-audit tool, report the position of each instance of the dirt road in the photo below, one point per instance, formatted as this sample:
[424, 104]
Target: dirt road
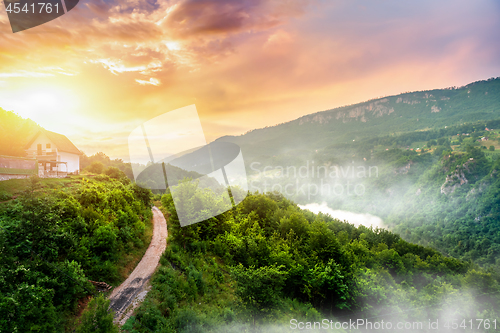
[126, 297]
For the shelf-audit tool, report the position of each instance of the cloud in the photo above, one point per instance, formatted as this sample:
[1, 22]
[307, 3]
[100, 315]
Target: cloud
[192, 18]
[22, 73]
[249, 63]
[152, 81]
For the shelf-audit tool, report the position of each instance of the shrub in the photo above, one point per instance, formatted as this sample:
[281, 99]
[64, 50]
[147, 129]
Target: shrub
[4, 196]
[97, 319]
[115, 173]
[95, 167]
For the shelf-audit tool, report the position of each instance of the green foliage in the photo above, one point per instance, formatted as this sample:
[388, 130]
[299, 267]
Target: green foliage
[410, 114]
[267, 261]
[51, 244]
[108, 166]
[96, 167]
[457, 213]
[259, 288]
[97, 318]
[4, 196]
[14, 133]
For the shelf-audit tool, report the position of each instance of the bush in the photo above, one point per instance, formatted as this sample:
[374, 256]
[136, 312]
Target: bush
[97, 318]
[95, 167]
[115, 173]
[4, 196]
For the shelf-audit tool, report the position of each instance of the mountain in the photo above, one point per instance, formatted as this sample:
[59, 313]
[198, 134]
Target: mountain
[405, 112]
[426, 162]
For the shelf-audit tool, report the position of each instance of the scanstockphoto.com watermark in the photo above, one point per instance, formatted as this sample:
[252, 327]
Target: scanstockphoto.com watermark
[310, 180]
[443, 324]
[362, 324]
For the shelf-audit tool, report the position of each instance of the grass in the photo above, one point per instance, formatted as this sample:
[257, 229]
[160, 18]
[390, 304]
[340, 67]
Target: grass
[12, 188]
[15, 187]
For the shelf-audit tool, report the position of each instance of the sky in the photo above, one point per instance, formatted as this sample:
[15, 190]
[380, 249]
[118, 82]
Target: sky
[100, 71]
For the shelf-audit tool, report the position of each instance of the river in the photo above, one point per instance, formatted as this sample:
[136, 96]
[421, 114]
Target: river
[354, 218]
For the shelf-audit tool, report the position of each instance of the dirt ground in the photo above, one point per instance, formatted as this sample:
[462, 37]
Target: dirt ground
[126, 297]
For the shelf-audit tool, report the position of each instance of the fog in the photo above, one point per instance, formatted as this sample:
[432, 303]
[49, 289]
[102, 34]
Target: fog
[354, 218]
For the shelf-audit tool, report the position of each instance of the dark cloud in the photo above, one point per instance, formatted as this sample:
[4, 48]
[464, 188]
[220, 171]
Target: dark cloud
[99, 7]
[191, 18]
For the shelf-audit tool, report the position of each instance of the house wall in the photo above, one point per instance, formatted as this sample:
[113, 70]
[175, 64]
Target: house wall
[42, 138]
[7, 176]
[73, 161]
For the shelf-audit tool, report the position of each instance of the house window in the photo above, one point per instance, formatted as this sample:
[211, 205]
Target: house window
[47, 145]
[39, 149]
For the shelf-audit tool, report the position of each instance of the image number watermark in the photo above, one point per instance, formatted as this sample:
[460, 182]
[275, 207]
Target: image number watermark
[26, 14]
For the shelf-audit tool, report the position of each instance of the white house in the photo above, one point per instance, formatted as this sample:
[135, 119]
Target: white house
[55, 153]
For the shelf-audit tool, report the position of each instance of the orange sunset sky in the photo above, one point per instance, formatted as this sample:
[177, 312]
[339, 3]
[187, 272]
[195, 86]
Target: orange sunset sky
[101, 70]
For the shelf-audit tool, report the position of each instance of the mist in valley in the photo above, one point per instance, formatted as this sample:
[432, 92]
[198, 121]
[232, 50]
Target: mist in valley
[356, 219]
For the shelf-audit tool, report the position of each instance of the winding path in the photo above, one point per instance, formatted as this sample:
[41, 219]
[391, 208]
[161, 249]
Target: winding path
[126, 297]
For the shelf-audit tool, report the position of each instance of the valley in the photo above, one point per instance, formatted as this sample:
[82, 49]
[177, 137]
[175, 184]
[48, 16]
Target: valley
[387, 209]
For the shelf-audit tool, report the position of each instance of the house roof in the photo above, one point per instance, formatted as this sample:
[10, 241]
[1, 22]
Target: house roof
[61, 142]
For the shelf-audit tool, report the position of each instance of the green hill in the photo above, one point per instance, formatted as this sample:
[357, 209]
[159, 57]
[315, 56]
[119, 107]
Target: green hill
[406, 112]
[14, 133]
[425, 162]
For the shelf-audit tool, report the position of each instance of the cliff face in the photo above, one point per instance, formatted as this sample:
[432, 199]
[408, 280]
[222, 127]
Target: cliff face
[362, 113]
[407, 112]
[423, 102]
[453, 181]
[456, 179]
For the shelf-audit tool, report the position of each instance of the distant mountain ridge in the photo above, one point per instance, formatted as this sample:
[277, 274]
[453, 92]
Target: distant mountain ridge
[405, 112]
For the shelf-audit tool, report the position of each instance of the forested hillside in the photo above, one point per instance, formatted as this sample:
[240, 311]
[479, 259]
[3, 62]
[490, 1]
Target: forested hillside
[55, 236]
[454, 207]
[427, 163]
[254, 268]
[14, 133]
[436, 188]
[412, 111]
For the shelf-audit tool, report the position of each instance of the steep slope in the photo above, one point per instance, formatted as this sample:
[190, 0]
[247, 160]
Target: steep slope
[393, 114]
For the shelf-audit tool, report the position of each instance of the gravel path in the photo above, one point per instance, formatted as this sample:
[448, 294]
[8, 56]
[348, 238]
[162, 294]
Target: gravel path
[126, 297]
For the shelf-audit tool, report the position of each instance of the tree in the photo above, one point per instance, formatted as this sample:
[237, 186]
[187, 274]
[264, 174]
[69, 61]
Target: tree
[327, 282]
[95, 167]
[492, 148]
[97, 318]
[115, 173]
[259, 288]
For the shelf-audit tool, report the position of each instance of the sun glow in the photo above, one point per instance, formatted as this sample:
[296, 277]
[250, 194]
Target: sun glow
[173, 46]
[49, 106]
